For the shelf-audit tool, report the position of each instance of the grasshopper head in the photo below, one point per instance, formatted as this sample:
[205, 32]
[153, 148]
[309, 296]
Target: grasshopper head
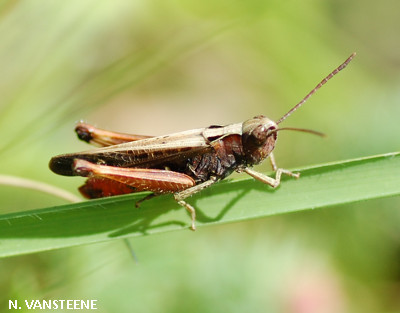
[258, 138]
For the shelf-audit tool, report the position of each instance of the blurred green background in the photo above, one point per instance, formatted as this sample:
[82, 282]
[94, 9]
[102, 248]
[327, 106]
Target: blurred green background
[155, 67]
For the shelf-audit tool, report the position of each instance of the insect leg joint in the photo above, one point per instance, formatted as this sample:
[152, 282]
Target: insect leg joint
[180, 196]
[273, 182]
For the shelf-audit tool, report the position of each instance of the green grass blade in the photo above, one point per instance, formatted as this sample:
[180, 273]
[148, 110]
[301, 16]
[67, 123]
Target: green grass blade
[237, 200]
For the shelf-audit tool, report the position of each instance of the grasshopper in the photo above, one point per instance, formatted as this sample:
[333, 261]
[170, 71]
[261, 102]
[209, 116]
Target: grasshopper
[182, 163]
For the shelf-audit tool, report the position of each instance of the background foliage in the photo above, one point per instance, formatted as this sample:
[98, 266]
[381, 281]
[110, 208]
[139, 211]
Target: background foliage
[155, 67]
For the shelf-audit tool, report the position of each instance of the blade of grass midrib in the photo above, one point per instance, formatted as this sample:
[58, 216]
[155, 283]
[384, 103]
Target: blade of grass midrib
[237, 200]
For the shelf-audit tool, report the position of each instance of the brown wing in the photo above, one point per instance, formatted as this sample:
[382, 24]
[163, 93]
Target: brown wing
[154, 152]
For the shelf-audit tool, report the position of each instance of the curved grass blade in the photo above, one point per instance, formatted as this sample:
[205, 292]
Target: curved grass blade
[237, 200]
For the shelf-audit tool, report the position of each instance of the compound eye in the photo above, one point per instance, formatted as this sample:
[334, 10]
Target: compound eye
[260, 133]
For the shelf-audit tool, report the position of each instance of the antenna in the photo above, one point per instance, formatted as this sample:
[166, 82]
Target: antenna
[304, 130]
[333, 73]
